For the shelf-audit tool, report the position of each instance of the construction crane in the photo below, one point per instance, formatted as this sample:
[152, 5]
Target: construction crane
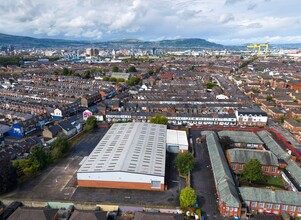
[258, 47]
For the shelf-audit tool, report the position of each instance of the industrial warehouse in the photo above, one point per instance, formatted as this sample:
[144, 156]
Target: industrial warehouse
[129, 156]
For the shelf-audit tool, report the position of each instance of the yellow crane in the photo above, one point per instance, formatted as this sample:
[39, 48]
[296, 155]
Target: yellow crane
[258, 47]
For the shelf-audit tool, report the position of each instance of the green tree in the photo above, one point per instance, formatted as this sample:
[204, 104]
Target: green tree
[65, 71]
[210, 85]
[106, 78]
[226, 142]
[120, 80]
[269, 98]
[150, 72]
[91, 123]
[41, 155]
[87, 74]
[115, 69]
[8, 175]
[252, 170]
[187, 197]
[134, 80]
[159, 119]
[185, 163]
[59, 147]
[132, 69]
[113, 79]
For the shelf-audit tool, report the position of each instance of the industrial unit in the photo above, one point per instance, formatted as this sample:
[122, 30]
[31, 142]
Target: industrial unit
[176, 141]
[129, 156]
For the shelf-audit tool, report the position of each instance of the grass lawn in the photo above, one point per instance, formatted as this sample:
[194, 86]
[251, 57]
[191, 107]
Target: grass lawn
[277, 182]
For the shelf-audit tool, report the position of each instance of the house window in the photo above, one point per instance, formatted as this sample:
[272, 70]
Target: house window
[254, 204]
[233, 166]
[273, 169]
[156, 184]
[284, 207]
[293, 208]
[235, 209]
[240, 167]
[266, 169]
[276, 206]
[269, 205]
[261, 205]
[227, 208]
[299, 209]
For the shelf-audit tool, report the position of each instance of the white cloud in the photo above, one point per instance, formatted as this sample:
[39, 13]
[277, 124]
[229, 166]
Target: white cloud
[231, 20]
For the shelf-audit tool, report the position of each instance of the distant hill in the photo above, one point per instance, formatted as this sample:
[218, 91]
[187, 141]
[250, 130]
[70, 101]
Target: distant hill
[28, 42]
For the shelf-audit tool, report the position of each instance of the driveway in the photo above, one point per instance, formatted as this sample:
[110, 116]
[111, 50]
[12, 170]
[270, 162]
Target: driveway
[202, 179]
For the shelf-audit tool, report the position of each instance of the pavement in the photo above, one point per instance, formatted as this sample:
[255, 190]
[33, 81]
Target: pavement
[58, 182]
[203, 181]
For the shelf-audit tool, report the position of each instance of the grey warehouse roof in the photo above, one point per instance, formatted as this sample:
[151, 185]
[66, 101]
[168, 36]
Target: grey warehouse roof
[244, 155]
[270, 196]
[130, 147]
[241, 136]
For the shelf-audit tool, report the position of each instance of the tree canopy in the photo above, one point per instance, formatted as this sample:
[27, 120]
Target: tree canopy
[159, 119]
[132, 69]
[115, 69]
[59, 147]
[134, 80]
[91, 123]
[252, 170]
[185, 163]
[210, 85]
[187, 197]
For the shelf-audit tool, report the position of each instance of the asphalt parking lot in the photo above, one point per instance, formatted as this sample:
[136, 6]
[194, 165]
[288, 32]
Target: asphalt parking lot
[202, 179]
[168, 198]
[58, 182]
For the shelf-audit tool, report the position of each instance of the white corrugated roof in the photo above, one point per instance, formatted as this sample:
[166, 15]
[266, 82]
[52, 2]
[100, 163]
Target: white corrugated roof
[130, 147]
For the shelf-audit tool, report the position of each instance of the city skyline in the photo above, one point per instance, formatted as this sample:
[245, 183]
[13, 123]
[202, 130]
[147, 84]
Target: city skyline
[227, 22]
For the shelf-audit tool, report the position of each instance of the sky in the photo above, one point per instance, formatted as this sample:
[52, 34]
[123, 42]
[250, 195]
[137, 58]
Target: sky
[228, 22]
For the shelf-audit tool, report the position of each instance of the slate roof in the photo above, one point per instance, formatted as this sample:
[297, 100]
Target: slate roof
[88, 215]
[157, 216]
[221, 171]
[245, 155]
[26, 213]
[66, 125]
[269, 196]
[241, 136]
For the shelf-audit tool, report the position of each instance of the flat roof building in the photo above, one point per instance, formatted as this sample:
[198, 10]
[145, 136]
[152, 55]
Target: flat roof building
[129, 156]
[176, 141]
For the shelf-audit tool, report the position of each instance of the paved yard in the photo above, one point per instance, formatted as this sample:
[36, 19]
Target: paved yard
[203, 181]
[58, 182]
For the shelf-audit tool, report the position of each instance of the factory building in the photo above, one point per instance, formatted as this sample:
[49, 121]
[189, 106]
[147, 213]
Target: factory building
[129, 156]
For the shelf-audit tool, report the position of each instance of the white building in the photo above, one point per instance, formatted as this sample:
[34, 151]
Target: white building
[176, 141]
[129, 156]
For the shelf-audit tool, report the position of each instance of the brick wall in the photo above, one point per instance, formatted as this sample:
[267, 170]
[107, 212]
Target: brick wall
[118, 185]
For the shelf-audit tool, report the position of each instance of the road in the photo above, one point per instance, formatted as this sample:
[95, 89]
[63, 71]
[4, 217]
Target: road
[202, 180]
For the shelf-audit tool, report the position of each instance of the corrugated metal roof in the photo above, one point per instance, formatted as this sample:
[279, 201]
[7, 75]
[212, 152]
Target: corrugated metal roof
[130, 147]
